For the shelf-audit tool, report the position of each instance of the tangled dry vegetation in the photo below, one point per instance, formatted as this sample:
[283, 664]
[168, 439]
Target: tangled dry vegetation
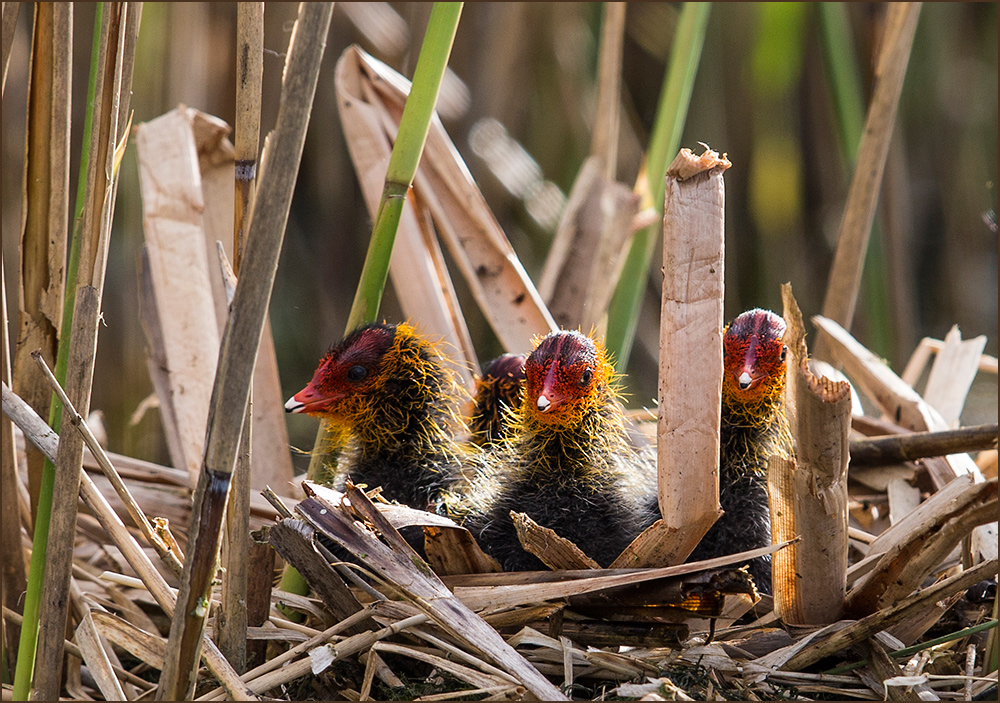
[885, 576]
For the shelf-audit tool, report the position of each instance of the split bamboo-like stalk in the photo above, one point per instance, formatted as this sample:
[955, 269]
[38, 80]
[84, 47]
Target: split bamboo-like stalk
[44, 211]
[240, 342]
[43, 437]
[120, 26]
[808, 494]
[859, 212]
[690, 388]
[231, 621]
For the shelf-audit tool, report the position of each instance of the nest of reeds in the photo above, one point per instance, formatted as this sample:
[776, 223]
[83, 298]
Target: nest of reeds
[884, 576]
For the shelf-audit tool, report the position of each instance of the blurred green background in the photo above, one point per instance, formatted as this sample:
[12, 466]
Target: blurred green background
[519, 103]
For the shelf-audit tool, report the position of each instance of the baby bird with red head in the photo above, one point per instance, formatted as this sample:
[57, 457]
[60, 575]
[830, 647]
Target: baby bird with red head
[498, 395]
[754, 427]
[567, 463]
[384, 387]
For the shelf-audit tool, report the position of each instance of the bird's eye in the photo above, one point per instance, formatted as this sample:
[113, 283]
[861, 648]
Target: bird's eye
[356, 373]
[784, 352]
[585, 377]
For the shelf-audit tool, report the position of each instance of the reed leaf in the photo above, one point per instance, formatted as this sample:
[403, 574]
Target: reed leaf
[240, 342]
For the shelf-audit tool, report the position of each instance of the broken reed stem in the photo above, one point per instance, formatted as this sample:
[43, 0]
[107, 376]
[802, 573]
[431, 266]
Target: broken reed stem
[240, 342]
[893, 449]
[138, 516]
[862, 199]
[808, 493]
[44, 207]
[870, 625]
[114, 61]
[232, 619]
[690, 388]
[44, 437]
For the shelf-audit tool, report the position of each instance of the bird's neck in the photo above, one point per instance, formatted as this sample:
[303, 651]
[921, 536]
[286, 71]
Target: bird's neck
[576, 452]
[750, 435]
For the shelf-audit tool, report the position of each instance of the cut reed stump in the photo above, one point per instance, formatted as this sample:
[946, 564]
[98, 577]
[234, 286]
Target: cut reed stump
[808, 493]
[690, 389]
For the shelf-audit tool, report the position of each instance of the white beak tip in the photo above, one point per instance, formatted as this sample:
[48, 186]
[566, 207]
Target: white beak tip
[543, 403]
[293, 406]
[745, 380]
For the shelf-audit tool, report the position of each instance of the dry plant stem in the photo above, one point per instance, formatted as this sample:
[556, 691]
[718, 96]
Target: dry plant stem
[240, 342]
[12, 559]
[555, 552]
[179, 313]
[604, 140]
[925, 537]
[9, 25]
[43, 437]
[11, 617]
[281, 659]
[45, 209]
[808, 494]
[855, 227]
[866, 627]
[400, 565]
[231, 621]
[690, 388]
[137, 514]
[98, 208]
[893, 449]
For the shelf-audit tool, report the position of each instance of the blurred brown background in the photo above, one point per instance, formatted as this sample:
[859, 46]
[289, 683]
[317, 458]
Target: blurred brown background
[519, 105]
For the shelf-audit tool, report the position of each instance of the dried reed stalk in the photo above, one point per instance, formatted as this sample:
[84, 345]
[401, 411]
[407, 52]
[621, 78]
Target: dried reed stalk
[922, 354]
[120, 27]
[232, 619]
[864, 628]
[910, 549]
[135, 512]
[690, 387]
[808, 494]
[240, 342]
[862, 198]
[589, 248]
[44, 210]
[96, 658]
[398, 564]
[185, 323]
[554, 551]
[489, 264]
[952, 374]
[896, 448]
[43, 437]
[604, 139]
[905, 407]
